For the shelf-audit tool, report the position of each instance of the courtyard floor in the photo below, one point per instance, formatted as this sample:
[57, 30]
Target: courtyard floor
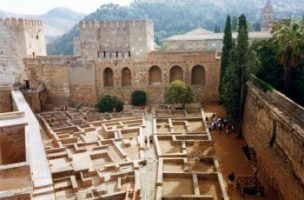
[228, 150]
[114, 148]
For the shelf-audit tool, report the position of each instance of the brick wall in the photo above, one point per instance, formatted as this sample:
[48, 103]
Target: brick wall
[281, 166]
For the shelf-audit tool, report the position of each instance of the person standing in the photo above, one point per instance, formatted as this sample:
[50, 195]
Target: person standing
[255, 171]
[231, 179]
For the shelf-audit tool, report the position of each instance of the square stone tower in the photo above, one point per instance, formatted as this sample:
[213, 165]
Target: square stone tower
[19, 39]
[114, 39]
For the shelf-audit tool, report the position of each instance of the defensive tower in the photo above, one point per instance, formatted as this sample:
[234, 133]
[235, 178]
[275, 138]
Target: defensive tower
[20, 38]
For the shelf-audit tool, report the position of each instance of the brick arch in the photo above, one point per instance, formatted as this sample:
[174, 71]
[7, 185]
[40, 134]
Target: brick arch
[126, 77]
[176, 73]
[198, 75]
[155, 75]
[108, 77]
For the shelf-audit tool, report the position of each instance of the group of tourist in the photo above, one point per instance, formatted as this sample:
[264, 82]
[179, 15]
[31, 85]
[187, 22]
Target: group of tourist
[219, 123]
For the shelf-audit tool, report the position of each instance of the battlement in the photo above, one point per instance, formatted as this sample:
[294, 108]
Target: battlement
[112, 24]
[21, 22]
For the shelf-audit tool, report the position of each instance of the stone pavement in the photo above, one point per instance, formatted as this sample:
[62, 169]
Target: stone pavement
[148, 173]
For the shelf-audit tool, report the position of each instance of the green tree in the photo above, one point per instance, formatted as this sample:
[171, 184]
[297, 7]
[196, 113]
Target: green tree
[234, 24]
[288, 36]
[251, 64]
[109, 104]
[139, 98]
[242, 43]
[297, 84]
[226, 47]
[231, 87]
[242, 61]
[268, 68]
[178, 92]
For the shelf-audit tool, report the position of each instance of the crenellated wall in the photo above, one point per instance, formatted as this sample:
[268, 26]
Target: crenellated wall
[114, 39]
[78, 80]
[280, 164]
[20, 38]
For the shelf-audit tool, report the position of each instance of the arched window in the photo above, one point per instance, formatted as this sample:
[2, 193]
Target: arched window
[126, 77]
[155, 75]
[108, 77]
[198, 75]
[176, 73]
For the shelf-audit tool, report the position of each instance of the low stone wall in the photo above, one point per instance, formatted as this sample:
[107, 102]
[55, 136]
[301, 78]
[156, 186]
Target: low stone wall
[5, 99]
[273, 126]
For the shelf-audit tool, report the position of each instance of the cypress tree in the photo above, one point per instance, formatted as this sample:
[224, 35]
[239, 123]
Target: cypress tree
[242, 56]
[227, 46]
[232, 85]
[234, 24]
[242, 42]
[230, 89]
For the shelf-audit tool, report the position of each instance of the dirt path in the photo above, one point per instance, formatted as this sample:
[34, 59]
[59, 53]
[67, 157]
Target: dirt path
[228, 150]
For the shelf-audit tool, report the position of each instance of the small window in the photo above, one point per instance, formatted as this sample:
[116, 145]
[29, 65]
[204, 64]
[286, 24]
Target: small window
[27, 84]
[37, 37]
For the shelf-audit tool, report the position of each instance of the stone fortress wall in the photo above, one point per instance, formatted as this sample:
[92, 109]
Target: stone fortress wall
[20, 38]
[281, 164]
[117, 58]
[110, 39]
[78, 80]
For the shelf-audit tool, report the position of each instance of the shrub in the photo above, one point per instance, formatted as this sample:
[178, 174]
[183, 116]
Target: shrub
[139, 98]
[178, 92]
[118, 104]
[109, 104]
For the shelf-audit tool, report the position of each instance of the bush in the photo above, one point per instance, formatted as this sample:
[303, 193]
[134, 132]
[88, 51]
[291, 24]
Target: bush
[139, 98]
[178, 92]
[109, 104]
[118, 104]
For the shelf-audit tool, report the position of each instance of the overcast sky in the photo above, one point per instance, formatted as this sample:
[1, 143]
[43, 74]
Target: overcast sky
[42, 6]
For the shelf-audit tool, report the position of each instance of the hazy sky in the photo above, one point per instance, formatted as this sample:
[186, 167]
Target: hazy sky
[42, 6]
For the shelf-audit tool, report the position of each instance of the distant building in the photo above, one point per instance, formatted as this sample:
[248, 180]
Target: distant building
[267, 17]
[203, 40]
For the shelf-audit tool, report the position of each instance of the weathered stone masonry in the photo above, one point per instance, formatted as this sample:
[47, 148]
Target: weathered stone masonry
[75, 80]
[20, 38]
[282, 165]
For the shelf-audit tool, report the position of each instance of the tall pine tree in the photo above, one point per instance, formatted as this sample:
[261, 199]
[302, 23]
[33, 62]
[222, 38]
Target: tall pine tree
[227, 46]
